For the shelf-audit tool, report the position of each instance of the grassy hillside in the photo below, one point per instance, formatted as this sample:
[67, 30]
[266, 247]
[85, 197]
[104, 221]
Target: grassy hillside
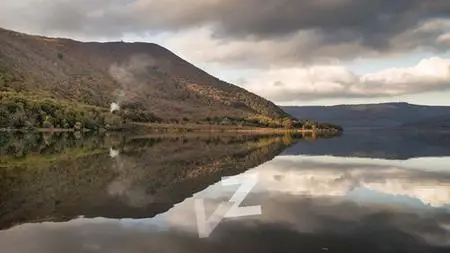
[155, 83]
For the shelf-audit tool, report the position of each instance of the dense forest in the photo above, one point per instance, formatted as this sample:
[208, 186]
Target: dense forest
[28, 112]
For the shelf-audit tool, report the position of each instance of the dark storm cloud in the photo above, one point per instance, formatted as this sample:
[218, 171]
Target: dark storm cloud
[372, 18]
[366, 25]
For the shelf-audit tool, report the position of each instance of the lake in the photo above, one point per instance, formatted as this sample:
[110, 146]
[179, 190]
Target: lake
[360, 192]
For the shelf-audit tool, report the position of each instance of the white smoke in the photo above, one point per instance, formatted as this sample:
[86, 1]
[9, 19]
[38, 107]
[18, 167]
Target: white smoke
[113, 153]
[127, 76]
[114, 107]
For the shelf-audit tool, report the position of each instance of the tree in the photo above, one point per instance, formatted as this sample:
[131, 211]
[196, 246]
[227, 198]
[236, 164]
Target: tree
[29, 124]
[287, 123]
[48, 122]
[65, 124]
[4, 118]
[78, 126]
[91, 124]
[18, 119]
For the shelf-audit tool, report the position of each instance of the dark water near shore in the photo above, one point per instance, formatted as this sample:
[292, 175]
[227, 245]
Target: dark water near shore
[361, 192]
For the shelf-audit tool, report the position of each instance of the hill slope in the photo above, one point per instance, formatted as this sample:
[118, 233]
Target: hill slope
[369, 115]
[144, 75]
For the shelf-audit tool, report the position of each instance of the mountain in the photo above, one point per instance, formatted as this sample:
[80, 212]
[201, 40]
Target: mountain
[146, 77]
[385, 115]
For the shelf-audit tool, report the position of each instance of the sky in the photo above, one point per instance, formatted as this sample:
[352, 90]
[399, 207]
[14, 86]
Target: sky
[293, 52]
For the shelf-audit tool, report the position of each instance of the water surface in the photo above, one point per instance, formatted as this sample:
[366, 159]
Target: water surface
[361, 192]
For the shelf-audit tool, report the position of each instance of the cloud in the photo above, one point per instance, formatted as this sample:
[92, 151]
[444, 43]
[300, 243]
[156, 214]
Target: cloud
[303, 47]
[280, 32]
[298, 46]
[317, 82]
[313, 179]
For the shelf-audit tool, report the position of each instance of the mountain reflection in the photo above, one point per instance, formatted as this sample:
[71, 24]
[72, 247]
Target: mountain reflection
[310, 203]
[378, 144]
[60, 177]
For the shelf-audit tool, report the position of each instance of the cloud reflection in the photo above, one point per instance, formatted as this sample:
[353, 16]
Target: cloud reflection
[308, 205]
[310, 177]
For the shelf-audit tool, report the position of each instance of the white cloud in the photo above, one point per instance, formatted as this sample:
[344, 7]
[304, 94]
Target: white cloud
[444, 39]
[290, 84]
[437, 24]
[429, 73]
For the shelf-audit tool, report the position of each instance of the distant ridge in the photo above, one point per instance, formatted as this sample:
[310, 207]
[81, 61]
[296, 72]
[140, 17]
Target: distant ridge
[384, 115]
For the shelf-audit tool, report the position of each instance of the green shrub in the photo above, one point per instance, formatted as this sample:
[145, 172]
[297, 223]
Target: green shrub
[78, 126]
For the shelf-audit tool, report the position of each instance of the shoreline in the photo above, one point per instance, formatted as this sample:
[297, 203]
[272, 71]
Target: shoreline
[179, 128]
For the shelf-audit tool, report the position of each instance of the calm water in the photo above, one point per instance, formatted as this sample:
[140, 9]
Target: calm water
[361, 192]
